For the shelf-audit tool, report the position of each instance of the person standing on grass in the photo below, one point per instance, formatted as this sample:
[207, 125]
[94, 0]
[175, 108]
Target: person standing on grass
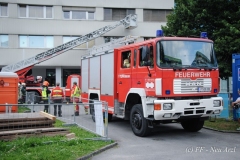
[45, 95]
[75, 94]
[57, 97]
[236, 109]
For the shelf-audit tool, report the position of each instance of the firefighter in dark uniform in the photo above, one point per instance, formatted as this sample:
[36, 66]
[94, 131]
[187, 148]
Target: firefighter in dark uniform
[57, 97]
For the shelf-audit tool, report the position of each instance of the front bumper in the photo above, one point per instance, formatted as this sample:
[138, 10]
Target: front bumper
[187, 109]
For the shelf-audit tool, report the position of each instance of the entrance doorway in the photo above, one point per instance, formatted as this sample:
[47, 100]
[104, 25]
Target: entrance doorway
[67, 72]
[51, 76]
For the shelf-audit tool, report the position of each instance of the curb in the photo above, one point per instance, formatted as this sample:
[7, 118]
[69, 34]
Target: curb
[98, 151]
[224, 131]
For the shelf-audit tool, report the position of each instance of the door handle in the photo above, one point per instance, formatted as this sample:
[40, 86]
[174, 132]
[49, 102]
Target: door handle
[138, 82]
[120, 82]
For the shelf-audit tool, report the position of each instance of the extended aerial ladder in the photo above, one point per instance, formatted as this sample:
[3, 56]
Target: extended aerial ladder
[24, 66]
[108, 47]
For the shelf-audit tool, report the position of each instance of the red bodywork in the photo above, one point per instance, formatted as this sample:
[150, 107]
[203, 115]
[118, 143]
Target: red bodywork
[71, 78]
[138, 76]
[33, 86]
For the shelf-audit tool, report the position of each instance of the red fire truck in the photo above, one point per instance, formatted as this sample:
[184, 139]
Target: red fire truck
[166, 80]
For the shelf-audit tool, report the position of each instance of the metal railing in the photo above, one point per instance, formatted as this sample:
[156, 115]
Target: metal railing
[92, 117]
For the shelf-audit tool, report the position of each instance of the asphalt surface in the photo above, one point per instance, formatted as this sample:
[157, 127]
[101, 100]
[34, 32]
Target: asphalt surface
[168, 142]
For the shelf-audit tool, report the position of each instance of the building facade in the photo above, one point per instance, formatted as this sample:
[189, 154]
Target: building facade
[31, 27]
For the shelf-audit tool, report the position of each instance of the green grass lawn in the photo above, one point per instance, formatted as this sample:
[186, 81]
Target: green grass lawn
[22, 109]
[222, 124]
[51, 148]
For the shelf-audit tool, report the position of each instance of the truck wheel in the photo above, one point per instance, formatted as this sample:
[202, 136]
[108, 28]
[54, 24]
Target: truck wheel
[138, 123]
[192, 125]
[109, 117]
[36, 98]
[92, 111]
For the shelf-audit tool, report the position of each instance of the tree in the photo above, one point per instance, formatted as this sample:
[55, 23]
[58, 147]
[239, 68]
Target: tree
[219, 18]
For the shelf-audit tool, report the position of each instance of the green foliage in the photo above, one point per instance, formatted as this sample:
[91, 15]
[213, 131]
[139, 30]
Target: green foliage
[54, 148]
[22, 109]
[222, 124]
[220, 18]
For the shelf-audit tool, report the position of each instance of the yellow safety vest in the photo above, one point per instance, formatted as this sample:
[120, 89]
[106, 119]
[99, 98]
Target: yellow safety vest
[76, 92]
[44, 93]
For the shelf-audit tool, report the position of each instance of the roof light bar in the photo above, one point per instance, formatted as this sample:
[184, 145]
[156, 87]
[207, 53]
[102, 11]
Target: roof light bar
[203, 35]
[159, 33]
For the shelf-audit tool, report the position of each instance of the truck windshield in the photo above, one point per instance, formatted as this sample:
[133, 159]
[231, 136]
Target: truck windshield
[185, 54]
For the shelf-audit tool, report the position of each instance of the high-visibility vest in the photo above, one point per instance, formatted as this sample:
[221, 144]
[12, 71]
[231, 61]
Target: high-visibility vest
[57, 93]
[76, 91]
[44, 93]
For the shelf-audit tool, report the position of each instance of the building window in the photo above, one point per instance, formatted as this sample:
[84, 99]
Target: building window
[3, 9]
[36, 41]
[148, 38]
[126, 59]
[78, 13]
[109, 38]
[3, 40]
[154, 15]
[67, 72]
[116, 14]
[89, 44]
[30, 11]
[51, 77]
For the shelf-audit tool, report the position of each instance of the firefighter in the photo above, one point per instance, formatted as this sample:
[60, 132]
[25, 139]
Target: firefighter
[23, 91]
[20, 92]
[75, 94]
[45, 83]
[45, 95]
[126, 63]
[57, 97]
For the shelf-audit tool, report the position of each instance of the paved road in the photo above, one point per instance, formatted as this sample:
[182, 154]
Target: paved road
[168, 142]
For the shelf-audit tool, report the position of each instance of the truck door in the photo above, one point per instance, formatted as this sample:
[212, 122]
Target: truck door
[134, 69]
[124, 67]
[145, 72]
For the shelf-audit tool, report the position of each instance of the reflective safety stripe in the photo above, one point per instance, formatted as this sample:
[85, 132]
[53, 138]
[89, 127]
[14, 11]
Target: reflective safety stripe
[44, 93]
[57, 92]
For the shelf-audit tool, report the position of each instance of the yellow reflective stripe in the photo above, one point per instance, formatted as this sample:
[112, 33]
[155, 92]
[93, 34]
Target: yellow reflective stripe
[57, 90]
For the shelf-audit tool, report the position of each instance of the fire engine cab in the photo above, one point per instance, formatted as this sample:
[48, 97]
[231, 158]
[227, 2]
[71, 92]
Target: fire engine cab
[161, 80]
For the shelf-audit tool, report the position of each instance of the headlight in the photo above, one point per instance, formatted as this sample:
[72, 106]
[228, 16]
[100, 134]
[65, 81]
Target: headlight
[167, 106]
[216, 103]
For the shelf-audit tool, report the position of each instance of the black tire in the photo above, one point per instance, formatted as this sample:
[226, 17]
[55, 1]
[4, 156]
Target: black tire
[192, 125]
[92, 111]
[37, 97]
[138, 123]
[109, 117]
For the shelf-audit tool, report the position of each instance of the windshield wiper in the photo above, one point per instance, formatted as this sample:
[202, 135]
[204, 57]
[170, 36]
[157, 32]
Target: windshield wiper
[176, 67]
[206, 66]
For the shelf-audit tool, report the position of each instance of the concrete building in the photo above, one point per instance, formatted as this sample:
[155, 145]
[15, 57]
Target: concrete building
[31, 27]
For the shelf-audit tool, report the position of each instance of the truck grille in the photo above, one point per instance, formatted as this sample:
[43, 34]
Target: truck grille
[186, 85]
[193, 111]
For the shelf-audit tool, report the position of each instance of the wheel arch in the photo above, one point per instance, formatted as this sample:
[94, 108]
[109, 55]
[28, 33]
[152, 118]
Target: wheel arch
[94, 94]
[135, 96]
